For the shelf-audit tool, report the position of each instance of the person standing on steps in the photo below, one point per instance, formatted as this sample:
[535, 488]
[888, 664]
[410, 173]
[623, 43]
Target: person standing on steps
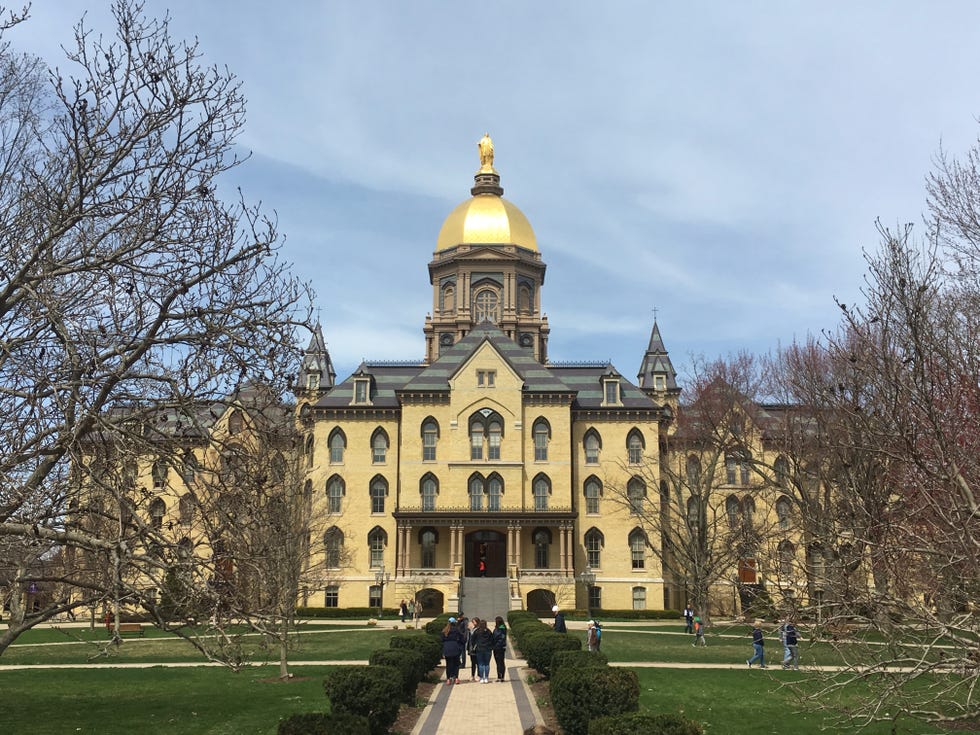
[759, 645]
[499, 646]
[559, 625]
[452, 647]
[482, 646]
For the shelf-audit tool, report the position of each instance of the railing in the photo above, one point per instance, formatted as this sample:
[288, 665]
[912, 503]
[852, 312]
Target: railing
[460, 509]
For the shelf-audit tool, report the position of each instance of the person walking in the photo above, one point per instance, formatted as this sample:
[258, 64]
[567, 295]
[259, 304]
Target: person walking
[499, 644]
[403, 609]
[688, 618]
[411, 610]
[792, 657]
[482, 645]
[559, 624]
[592, 637]
[699, 639]
[758, 645]
[452, 647]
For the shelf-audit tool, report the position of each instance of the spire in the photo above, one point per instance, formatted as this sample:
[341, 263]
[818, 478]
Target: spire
[657, 374]
[316, 373]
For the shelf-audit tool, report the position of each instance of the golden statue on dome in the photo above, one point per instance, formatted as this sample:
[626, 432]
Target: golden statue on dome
[486, 155]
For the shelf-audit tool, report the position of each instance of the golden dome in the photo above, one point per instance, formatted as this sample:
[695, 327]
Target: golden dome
[486, 219]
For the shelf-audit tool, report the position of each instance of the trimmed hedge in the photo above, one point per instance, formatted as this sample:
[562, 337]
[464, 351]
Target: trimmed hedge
[428, 645]
[579, 659]
[318, 723]
[435, 626]
[637, 614]
[409, 664]
[583, 694]
[646, 723]
[538, 648]
[374, 692]
[344, 612]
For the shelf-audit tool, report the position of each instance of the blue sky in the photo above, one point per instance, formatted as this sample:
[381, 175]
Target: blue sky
[723, 162]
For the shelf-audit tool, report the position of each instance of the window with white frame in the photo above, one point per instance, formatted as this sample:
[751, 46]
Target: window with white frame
[542, 435]
[331, 596]
[639, 598]
[430, 488]
[593, 548]
[636, 492]
[377, 540]
[592, 492]
[337, 443]
[379, 491]
[335, 494]
[476, 492]
[638, 548]
[592, 445]
[634, 447]
[430, 435]
[495, 491]
[541, 490]
[379, 447]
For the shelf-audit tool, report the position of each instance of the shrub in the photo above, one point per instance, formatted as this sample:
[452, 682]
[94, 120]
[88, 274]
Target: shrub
[435, 626]
[646, 723]
[581, 659]
[637, 614]
[428, 645]
[318, 723]
[373, 692]
[343, 612]
[540, 647]
[583, 694]
[409, 664]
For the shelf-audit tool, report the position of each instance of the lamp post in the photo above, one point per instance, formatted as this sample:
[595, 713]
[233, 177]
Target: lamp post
[381, 578]
[588, 579]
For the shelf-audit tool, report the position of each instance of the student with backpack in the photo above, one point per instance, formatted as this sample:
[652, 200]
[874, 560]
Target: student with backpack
[699, 639]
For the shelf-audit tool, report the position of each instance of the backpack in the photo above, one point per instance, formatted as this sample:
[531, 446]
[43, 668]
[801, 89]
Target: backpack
[598, 631]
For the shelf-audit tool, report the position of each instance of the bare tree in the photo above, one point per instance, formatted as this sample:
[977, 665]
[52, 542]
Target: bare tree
[130, 294]
[713, 516]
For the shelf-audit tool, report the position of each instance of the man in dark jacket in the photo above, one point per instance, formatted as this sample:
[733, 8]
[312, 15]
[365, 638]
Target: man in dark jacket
[452, 647]
[499, 646]
[559, 620]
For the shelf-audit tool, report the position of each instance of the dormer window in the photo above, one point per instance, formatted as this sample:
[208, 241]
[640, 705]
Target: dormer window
[610, 392]
[313, 381]
[659, 382]
[486, 378]
[362, 390]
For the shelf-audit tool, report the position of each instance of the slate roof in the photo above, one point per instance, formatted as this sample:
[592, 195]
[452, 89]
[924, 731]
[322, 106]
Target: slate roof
[582, 382]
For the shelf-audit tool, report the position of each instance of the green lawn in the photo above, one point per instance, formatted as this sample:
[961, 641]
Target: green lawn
[164, 701]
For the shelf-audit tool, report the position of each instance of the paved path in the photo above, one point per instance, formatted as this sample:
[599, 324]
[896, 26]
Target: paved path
[507, 708]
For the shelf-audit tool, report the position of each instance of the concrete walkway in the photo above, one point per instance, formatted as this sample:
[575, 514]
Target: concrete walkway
[506, 707]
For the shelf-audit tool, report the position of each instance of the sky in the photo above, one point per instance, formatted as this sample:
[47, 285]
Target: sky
[723, 163]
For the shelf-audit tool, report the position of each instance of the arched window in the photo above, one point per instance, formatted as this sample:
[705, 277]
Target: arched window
[784, 513]
[430, 435]
[594, 541]
[309, 450]
[486, 428]
[495, 490]
[333, 545]
[638, 548]
[748, 512]
[449, 298]
[486, 306]
[693, 512]
[476, 439]
[337, 443]
[379, 491]
[159, 473]
[429, 489]
[592, 443]
[542, 435]
[636, 492]
[524, 299]
[377, 541]
[737, 469]
[693, 472]
[236, 422]
[635, 446]
[189, 468]
[428, 538]
[495, 431]
[781, 468]
[185, 507]
[542, 540]
[787, 556]
[476, 492]
[541, 490]
[593, 490]
[732, 510]
[379, 446]
[308, 497]
[158, 509]
[639, 598]
[335, 494]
